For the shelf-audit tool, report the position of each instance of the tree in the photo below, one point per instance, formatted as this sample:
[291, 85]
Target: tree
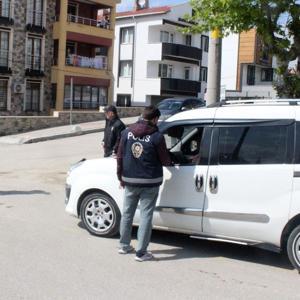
[277, 22]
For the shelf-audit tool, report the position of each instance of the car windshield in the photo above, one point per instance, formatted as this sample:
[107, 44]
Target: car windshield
[170, 105]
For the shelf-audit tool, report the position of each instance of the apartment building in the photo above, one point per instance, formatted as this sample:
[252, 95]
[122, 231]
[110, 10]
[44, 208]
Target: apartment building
[153, 59]
[247, 67]
[45, 45]
[25, 56]
[83, 36]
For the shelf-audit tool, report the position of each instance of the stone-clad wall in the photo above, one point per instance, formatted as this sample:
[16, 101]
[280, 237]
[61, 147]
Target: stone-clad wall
[17, 124]
[19, 31]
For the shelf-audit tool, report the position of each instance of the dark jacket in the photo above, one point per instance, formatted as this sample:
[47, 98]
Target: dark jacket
[141, 154]
[112, 134]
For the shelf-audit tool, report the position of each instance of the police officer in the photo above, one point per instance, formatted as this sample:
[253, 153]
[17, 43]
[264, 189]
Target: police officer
[141, 154]
[112, 132]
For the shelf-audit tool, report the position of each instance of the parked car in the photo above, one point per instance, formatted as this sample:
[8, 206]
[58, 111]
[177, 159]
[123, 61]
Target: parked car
[171, 106]
[236, 178]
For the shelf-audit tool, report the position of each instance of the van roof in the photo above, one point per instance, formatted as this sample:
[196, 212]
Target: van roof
[245, 110]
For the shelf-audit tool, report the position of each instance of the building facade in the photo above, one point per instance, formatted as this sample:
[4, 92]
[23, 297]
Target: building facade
[25, 56]
[47, 45]
[83, 37]
[247, 67]
[154, 60]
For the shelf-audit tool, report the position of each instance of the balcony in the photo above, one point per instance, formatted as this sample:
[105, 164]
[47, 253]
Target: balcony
[182, 53]
[34, 66]
[105, 24]
[35, 21]
[98, 62]
[5, 61]
[77, 104]
[180, 87]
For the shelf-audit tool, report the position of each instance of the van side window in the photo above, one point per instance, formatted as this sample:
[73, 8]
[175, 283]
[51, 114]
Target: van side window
[253, 145]
[184, 144]
[297, 151]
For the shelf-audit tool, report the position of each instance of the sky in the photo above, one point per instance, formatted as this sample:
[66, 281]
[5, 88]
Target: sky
[126, 5]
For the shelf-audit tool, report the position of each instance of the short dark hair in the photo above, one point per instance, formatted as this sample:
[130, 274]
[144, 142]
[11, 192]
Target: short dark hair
[111, 108]
[150, 112]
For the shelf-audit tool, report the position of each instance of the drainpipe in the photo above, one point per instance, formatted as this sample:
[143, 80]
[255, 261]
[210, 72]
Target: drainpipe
[133, 58]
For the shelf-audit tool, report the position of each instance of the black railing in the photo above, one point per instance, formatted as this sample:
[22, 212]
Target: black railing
[76, 104]
[181, 51]
[180, 86]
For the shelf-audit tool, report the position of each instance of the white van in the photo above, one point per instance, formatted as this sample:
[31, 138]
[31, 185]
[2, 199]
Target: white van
[236, 178]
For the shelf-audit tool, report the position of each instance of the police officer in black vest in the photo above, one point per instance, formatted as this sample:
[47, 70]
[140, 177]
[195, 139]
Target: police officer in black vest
[112, 132]
[141, 154]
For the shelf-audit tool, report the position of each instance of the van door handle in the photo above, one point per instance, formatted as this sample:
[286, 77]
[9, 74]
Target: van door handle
[198, 182]
[213, 183]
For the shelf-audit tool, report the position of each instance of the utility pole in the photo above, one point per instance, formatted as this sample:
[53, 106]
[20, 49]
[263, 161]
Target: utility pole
[214, 68]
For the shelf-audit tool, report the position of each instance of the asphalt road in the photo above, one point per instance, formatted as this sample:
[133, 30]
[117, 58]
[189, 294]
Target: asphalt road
[46, 254]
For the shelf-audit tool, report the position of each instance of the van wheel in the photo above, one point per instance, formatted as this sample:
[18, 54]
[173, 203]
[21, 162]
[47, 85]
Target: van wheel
[100, 215]
[293, 248]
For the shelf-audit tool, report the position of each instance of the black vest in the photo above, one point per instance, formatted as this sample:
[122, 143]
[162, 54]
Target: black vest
[141, 164]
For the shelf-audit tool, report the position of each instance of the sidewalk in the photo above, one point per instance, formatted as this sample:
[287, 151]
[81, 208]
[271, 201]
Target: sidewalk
[58, 132]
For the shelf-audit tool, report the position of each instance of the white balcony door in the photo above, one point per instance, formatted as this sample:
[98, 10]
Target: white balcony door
[34, 48]
[35, 12]
[5, 8]
[4, 48]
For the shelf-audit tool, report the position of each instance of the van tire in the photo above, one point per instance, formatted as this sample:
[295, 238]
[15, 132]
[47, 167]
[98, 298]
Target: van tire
[293, 247]
[100, 214]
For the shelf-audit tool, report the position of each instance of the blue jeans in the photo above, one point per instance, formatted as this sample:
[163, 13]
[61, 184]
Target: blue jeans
[147, 197]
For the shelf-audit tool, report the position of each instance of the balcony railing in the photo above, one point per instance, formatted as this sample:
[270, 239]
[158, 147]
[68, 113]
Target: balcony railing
[99, 62]
[87, 21]
[77, 104]
[180, 86]
[170, 51]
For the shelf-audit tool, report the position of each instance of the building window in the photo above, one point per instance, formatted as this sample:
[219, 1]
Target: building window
[5, 8]
[3, 93]
[85, 97]
[72, 9]
[204, 43]
[250, 75]
[4, 48]
[55, 52]
[123, 100]
[187, 73]
[267, 74]
[127, 35]
[34, 53]
[164, 37]
[33, 96]
[171, 38]
[35, 12]
[165, 71]
[125, 68]
[203, 74]
[53, 95]
[188, 40]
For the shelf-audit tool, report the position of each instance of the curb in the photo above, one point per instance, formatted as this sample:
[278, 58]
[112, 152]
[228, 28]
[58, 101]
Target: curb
[60, 136]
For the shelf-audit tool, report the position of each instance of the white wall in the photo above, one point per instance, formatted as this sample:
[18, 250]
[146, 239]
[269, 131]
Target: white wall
[230, 46]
